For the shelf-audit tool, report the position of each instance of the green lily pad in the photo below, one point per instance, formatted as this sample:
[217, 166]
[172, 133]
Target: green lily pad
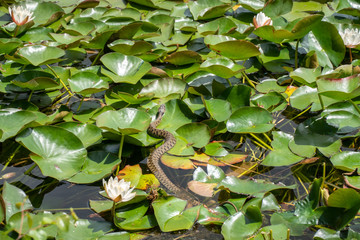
[250, 187]
[45, 12]
[163, 87]
[57, 152]
[97, 166]
[250, 120]
[7, 45]
[128, 69]
[316, 132]
[87, 83]
[304, 96]
[203, 9]
[306, 76]
[12, 121]
[12, 197]
[183, 57]
[198, 140]
[242, 224]
[346, 160]
[65, 38]
[281, 156]
[231, 48]
[35, 80]
[219, 109]
[134, 218]
[129, 47]
[268, 85]
[88, 134]
[339, 88]
[171, 216]
[126, 121]
[40, 54]
[330, 41]
[222, 67]
[297, 31]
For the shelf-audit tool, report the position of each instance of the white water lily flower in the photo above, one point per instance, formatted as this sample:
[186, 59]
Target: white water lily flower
[261, 20]
[118, 190]
[20, 15]
[351, 37]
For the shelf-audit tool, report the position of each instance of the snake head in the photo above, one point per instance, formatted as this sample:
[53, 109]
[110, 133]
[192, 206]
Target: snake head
[162, 109]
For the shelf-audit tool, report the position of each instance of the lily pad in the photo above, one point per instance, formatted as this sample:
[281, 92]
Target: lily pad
[12, 121]
[203, 9]
[123, 68]
[250, 120]
[40, 54]
[87, 83]
[57, 152]
[282, 156]
[126, 121]
[171, 216]
[198, 140]
[231, 48]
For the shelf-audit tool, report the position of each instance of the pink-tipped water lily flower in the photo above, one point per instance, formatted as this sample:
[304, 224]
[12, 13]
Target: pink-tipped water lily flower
[351, 37]
[261, 20]
[118, 190]
[20, 15]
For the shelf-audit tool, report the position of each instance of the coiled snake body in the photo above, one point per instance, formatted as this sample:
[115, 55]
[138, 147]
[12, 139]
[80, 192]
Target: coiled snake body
[154, 158]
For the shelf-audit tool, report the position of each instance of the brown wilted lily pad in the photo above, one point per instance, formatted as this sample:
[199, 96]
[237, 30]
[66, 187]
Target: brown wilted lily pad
[202, 189]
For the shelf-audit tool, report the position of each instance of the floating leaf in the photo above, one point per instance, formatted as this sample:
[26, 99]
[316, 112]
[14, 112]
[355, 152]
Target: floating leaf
[97, 165]
[171, 216]
[40, 54]
[231, 48]
[57, 152]
[203, 9]
[127, 69]
[12, 121]
[250, 187]
[281, 155]
[250, 120]
[15, 200]
[164, 87]
[133, 174]
[242, 225]
[200, 139]
[87, 83]
[183, 58]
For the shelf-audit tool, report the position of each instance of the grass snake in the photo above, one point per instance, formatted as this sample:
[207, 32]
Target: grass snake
[154, 158]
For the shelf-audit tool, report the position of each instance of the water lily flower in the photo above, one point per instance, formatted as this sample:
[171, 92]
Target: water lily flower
[20, 15]
[261, 20]
[118, 190]
[351, 37]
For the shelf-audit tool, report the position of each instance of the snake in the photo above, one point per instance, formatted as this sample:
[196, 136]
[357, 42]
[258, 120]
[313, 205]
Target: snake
[154, 158]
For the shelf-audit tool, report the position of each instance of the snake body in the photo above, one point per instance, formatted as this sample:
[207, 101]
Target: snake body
[154, 158]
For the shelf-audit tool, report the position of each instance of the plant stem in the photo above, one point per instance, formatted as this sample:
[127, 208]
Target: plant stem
[248, 79]
[262, 142]
[120, 151]
[30, 169]
[11, 157]
[113, 211]
[81, 102]
[350, 53]
[355, 106]
[62, 83]
[16, 30]
[97, 57]
[296, 54]
[31, 93]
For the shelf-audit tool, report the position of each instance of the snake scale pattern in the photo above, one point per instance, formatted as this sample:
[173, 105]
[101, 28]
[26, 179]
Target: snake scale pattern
[154, 158]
